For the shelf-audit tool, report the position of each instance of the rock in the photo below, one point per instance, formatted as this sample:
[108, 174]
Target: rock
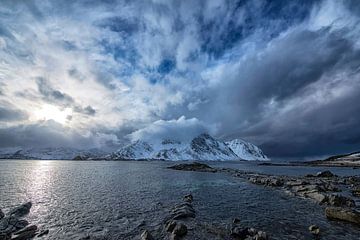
[318, 197]
[184, 210]
[314, 229]
[326, 174]
[24, 235]
[188, 198]
[27, 229]
[200, 167]
[21, 224]
[170, 226]
[21, 210]
[261, 236]
[146, 235]
[179, 230]
[1, 214]
[356, 192]
[236, 221]
[339, 201]
[239, 233]
[344, 214]
[42, 233]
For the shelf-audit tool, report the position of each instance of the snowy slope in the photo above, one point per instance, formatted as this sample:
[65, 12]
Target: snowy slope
[246, 150]
[202, 147]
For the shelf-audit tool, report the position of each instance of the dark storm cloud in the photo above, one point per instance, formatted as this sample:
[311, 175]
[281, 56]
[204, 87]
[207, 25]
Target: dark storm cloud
[282, 74]
[43, 134]
[10, 114]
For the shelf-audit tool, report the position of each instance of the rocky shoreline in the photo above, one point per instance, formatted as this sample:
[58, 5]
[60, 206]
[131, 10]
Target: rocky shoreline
[13, 225]
[337, 194]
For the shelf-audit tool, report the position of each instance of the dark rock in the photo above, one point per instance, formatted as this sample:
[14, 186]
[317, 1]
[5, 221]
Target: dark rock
[170, 226]
[188, 198]
[146, 235]
[239, 233]
[236, 221]
[44, 232]
[326, 174]
[356, 192]
[184, 210]
[21, 224]
[200, 167]
[314, 229]
[339, 201]
[180, 230]
[1, 214]
[343, 214]
[21, 210]
[25, 235]
[27, 229]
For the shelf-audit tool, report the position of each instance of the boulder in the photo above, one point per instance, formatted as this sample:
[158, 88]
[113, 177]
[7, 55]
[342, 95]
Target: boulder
[22, 210]
[184, 210]
[146, 235]
[188, 198]
[314, 229]
[27, 229]
[343, 214]
[239, 233]
[318, 197]
[1, 214]
[325, 174]
[179, 230]
[340, 201]
[261, 236]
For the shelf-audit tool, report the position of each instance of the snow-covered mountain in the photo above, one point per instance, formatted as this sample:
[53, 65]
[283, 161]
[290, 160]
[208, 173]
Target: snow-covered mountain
[58, 153]
[202, 147]
[246, 150]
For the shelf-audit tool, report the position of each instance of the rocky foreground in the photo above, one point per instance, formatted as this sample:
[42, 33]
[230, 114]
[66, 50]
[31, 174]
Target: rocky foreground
[324, 188]
[13, 225]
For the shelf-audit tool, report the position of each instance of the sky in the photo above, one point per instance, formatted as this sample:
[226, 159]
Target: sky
[284, 75]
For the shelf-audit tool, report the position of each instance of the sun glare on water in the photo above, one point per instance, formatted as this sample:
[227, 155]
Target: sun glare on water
[50, 112]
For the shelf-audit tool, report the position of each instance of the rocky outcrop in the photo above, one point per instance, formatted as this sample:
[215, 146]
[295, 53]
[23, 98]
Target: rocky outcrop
[343, 214]
[195, 166]
[13, 227]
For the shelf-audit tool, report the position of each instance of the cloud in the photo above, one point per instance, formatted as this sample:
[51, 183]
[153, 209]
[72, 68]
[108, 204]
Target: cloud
[266, 71]
[180, 129]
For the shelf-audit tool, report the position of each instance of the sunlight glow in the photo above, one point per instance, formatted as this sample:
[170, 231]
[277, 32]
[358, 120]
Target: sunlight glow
[50, 112]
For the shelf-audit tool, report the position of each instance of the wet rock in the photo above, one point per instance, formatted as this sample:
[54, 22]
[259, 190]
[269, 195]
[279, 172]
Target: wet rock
[261, 236]
[314, 229]
[184, 210]
[27, 229]
[22, 210]
[325, 174]
[343, 214]
[239, 233]
[21, 224]
[180, 230]
[339, 201]
[170, 226]
[43, 233]
[356, 192]
[188, 198]
[1, 214]
[146, 235]
[199, 167]
[236, 221]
